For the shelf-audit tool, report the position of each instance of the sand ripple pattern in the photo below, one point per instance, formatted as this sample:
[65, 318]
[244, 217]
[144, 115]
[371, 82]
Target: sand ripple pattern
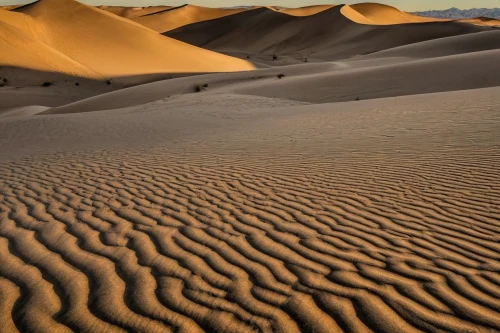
[158, 243]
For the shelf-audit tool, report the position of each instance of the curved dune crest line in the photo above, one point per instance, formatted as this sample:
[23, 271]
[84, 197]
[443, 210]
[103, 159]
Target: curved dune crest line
[172, 18]
[50, 39]
[378, 14]
[133, 12]
[302, 11]
[330, 34]
[482, 21]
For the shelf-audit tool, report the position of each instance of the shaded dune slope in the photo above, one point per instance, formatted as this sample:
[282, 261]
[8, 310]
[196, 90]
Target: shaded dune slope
[455, 72]
[394, 228]
[327, 35]
[477, 67]
[454, 45]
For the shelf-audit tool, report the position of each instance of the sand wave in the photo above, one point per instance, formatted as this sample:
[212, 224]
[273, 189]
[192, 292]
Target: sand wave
[374, 216]
[169, 246]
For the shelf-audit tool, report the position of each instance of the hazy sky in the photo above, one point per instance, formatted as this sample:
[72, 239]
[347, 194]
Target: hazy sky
[407, 5]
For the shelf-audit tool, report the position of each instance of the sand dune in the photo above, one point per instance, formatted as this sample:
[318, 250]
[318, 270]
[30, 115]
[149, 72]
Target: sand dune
[133, 12]
[456, 63]
[25, 87]
[455, 45]
[486, 21]
[172, 18]
[302, 11]
[364, 216]
[72, 38]
[378, 14]
[20, 48]
[456, 72]
[327, 35]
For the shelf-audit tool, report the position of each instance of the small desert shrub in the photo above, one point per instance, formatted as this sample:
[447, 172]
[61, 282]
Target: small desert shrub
[47, 84]
[4, 80]
[275, 57]
[279, 76]
[248, 57]
[77, 84]
[108, 82]
[357, 98]
[305, 60]
[199, 87]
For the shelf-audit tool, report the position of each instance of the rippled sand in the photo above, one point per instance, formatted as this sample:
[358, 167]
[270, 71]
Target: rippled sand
[370, 216]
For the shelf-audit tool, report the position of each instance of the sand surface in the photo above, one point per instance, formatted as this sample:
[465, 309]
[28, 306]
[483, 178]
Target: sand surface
[68, 37]
[207, 214]
[172, 18]
[302, 11]
[270, 37]
[355, 192]
[133, 12]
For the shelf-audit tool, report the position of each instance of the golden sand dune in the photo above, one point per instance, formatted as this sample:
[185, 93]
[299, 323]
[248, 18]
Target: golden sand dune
[172, 18]
[10, 7]
[378, 14]
[132, 12]
[69, 37]
[375, 216]
[20, 48]
[328, 35]
[302, 11]
[486, 21]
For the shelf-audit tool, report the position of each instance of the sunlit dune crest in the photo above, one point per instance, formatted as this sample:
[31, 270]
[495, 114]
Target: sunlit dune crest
[133, 12]
[101, 44]
[177, 17]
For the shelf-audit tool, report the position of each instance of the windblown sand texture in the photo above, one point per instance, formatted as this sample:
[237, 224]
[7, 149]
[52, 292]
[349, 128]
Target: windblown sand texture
[356, 192]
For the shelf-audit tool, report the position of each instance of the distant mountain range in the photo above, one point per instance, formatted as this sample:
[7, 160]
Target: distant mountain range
[455, 13]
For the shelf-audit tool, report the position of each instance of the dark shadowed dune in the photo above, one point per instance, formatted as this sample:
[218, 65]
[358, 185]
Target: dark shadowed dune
[327, 35]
